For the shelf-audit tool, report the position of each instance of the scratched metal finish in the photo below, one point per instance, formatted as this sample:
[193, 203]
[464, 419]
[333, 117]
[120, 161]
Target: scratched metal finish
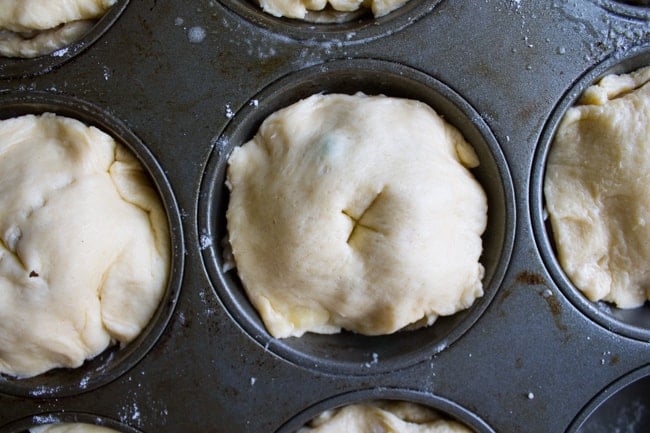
[182, 83]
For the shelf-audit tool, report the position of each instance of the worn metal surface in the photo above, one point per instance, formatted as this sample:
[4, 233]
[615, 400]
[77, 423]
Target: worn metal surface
[183, 82]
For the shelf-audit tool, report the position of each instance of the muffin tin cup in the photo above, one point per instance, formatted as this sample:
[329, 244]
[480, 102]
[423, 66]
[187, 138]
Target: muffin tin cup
[23, 425]
[348, 353]
[319, 27]
[115, 360]
[446, 408]
[24, 67]
[621, 407]
[632, 323]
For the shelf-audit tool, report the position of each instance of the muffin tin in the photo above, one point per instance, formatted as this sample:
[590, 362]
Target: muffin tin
[182, 83]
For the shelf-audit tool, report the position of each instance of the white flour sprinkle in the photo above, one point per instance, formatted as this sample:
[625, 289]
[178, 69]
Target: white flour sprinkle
[220, 143]
[205, 241]
[83, 384]
[229, 112]
[440, 346]
[375, 360]
[130, 413]
[42, 390]
[60, 53]
[196, 34]
[208, 310]
[45, 419]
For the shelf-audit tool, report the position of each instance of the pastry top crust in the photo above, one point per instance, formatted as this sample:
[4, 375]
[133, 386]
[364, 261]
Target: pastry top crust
[32, 28]
[84, 244]
[27, 15]
[356, 212]
[596, 190]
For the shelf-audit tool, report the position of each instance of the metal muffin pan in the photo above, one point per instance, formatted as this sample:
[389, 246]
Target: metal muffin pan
[183, 83]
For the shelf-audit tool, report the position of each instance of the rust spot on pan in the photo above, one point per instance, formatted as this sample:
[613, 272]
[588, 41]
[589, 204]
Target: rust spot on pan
[530, 278]
[553, 305]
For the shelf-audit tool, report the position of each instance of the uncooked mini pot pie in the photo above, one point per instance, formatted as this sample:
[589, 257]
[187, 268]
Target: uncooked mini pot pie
[356, 212]
[84, 244]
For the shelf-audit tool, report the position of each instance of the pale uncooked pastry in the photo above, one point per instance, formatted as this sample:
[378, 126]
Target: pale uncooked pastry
[84, 244]
[597, 194]
[31, 28]
[300, 8]
[71, 428]
[356, 212]
[383, 416]
[41, 42]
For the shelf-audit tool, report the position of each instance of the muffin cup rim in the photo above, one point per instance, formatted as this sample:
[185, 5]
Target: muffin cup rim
[346, 33]
[625, 10]
[23, 424]
[218, 162]
[434, 401]
[605, 394]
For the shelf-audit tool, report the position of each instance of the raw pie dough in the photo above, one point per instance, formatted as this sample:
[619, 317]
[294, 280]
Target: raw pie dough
[597, 193]
[385, 417]
[299, 8]
[84, 244]
[71, 428]
[356, 212]
[31, 28]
